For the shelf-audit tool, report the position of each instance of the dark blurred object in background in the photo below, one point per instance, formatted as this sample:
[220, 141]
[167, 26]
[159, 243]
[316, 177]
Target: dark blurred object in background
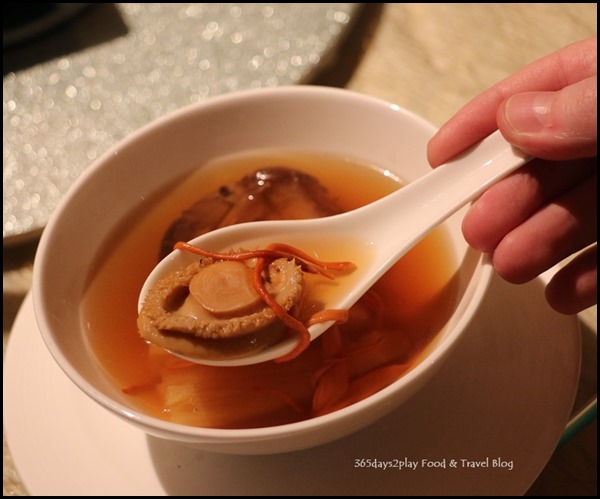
[21, 21]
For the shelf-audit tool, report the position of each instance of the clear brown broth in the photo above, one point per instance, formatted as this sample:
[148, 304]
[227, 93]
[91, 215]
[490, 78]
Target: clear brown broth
[387, 332]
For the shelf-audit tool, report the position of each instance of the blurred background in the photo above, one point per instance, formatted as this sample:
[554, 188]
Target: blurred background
[79, 77]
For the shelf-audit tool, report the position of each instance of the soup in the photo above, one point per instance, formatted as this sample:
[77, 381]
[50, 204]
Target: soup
[386, 333]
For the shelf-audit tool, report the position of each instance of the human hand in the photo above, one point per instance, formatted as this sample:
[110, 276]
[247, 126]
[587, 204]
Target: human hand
[546, 211]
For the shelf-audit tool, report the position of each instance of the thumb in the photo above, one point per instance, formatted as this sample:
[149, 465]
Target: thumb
[553, 125]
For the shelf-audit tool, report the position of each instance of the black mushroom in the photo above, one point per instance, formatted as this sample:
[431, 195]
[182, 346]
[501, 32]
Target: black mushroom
[272, 193]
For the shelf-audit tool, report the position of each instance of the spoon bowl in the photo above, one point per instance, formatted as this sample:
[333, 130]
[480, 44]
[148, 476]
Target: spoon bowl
[389, 228]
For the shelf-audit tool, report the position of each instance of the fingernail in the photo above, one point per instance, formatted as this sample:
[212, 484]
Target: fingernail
[529, 112]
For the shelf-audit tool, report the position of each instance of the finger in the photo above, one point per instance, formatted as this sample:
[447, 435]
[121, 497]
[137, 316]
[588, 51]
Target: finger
[555, 232]
[477, 119]
[553, 125]
[574, 287]
[510, 202]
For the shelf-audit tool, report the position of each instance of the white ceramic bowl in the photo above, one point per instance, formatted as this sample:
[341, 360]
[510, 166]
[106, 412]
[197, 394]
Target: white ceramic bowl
[323, 119]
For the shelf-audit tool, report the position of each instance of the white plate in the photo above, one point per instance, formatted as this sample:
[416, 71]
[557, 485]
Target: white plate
[506, 394]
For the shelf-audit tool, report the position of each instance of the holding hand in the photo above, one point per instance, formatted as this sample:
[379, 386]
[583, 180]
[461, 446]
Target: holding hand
[546, 211]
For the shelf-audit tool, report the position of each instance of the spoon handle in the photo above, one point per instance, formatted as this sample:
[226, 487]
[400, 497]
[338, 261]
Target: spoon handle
[417, 208]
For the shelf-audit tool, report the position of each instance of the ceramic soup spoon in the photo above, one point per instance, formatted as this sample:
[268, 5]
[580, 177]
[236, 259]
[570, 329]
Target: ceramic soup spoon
[390, 227]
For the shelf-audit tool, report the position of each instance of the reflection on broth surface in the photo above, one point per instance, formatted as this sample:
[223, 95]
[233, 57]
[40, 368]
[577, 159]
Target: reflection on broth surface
[386, 333]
